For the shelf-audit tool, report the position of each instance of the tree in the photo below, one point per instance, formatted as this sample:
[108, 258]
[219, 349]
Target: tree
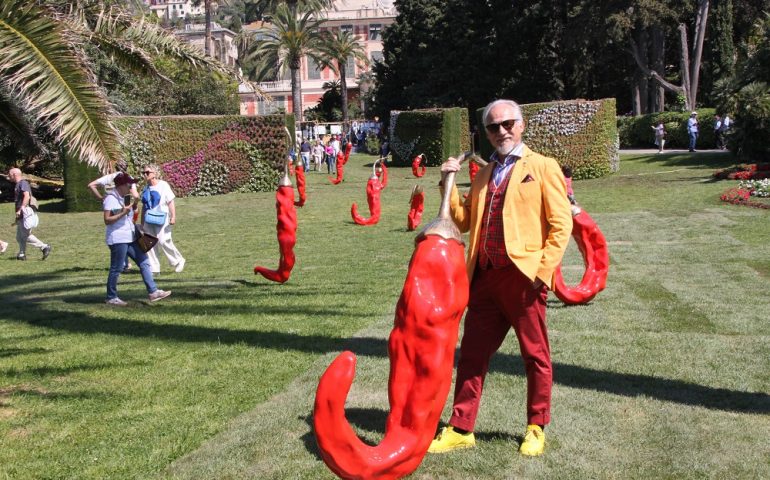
[338, 47]
[281, 46]
[45, 72]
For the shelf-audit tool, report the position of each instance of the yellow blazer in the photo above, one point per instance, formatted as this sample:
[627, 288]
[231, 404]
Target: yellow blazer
[537, 219]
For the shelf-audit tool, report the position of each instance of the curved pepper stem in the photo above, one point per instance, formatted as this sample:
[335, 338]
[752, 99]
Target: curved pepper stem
[593, 246]
[421, 349]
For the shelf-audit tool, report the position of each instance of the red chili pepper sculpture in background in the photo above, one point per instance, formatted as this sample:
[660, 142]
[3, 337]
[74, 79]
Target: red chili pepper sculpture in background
[299, 172]
[348, 149]
[593, 246]
[473, 169]
[373, 188]
[421, 349]
[418, 167]
[286, 229]
[382, 172]
[417, 203]
[341, 161]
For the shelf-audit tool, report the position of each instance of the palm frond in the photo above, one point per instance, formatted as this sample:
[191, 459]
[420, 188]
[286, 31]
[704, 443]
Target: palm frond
[17, 126]
[43, 71]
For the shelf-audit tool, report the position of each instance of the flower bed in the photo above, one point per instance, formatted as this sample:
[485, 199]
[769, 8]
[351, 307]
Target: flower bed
[754, 182]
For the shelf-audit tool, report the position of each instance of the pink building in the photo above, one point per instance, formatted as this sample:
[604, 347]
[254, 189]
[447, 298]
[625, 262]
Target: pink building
[365, 19]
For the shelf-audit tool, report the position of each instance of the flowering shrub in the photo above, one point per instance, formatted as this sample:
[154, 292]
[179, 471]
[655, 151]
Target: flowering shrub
[741, 196]
[208, 155]
[757, 188]
[744, 171]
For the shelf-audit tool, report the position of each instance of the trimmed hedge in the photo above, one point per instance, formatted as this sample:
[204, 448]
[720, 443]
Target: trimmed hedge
[438, 133]
[636, 132]
[579, 133]
[198, 155]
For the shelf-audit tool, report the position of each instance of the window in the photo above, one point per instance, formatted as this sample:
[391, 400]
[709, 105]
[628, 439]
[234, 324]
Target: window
[346, 28]
[377, 57]
[375, 31]
[350, 68]
[313, 73]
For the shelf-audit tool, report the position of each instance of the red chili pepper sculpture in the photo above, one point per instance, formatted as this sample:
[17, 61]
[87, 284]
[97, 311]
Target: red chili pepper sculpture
[421, 349]
[418, 167]
[417, 203]
[473, 169]
[341, 161]
[299, 172]
[382, 172]
[286, 229]
[348, 149]
[373, 188]
[596, 257]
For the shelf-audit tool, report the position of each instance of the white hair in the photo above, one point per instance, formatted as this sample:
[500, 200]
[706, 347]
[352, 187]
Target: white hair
[516, 109]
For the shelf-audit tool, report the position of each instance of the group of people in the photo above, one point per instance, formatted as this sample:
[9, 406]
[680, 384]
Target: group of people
[320, 152]
[120, 202]
[721, 126]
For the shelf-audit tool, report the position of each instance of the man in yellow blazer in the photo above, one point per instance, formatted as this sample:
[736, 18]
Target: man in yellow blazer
[519, 220]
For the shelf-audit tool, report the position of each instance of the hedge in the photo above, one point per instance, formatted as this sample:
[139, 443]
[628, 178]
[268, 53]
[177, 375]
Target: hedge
[438, 133]
[198, 155]
[636, 132]
[579, 133]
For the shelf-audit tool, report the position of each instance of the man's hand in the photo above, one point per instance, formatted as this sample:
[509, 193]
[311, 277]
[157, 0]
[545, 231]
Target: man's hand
[451, 165]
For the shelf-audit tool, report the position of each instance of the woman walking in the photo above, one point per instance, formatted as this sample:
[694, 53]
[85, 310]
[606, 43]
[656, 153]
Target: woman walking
[158, 203]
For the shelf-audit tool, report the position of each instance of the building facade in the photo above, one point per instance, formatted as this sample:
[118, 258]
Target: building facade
[173, 9]
[223, 48]
[365, 19]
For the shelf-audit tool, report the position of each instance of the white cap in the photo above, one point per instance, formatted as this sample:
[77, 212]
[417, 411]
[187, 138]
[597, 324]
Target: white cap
[693, 113]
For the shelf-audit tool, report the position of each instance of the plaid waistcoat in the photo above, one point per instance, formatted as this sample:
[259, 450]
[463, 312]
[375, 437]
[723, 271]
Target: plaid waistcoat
[492, 252]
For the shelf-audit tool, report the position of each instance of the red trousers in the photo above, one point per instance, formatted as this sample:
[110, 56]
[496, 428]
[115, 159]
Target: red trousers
[501, 299]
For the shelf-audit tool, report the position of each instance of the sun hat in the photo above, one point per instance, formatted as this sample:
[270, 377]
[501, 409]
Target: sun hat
[693, 113]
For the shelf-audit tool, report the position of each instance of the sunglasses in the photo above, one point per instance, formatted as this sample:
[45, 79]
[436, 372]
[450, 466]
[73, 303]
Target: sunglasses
[147, 172]
[506, 124]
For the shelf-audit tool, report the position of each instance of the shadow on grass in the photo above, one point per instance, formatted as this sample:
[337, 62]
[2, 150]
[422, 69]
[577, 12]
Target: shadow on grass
[39, 314]
[704, 159]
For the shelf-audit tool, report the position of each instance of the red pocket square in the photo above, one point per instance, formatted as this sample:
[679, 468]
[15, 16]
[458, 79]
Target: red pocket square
[528, 178]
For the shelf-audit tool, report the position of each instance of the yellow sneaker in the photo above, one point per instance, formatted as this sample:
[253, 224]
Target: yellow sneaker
[448, 440]
[534, 441]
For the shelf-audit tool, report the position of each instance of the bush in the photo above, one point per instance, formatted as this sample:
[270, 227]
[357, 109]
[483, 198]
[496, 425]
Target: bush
[438, 133]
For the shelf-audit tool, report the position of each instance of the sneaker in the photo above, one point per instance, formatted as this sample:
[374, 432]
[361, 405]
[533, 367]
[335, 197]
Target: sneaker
[448, 440]
[21, 256]
[534, 441]
[116, 302]
[3, 246]
[159, 295]
[180, 266]
[46, 251]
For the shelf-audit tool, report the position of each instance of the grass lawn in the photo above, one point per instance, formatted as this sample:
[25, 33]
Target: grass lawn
[666, 374]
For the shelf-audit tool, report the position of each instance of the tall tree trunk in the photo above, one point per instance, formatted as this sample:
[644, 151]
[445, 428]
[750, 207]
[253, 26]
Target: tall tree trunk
[344, 96]
[642, 80]
[685, 67]
[207, 39]
[657, 62]
[296, 91]
[700, 34]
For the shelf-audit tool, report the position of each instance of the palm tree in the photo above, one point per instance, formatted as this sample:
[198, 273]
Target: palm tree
[339, 47]
[45, 73]
[281, 46]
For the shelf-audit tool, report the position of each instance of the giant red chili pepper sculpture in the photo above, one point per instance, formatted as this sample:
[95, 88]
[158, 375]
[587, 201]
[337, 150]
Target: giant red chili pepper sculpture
[299, 172]
[382, 172]
[418, 165]
[417, 205]
[593, 247]
[421, 349]
[373, 188]
[341, 161]
[348, 149]
[286, 229]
